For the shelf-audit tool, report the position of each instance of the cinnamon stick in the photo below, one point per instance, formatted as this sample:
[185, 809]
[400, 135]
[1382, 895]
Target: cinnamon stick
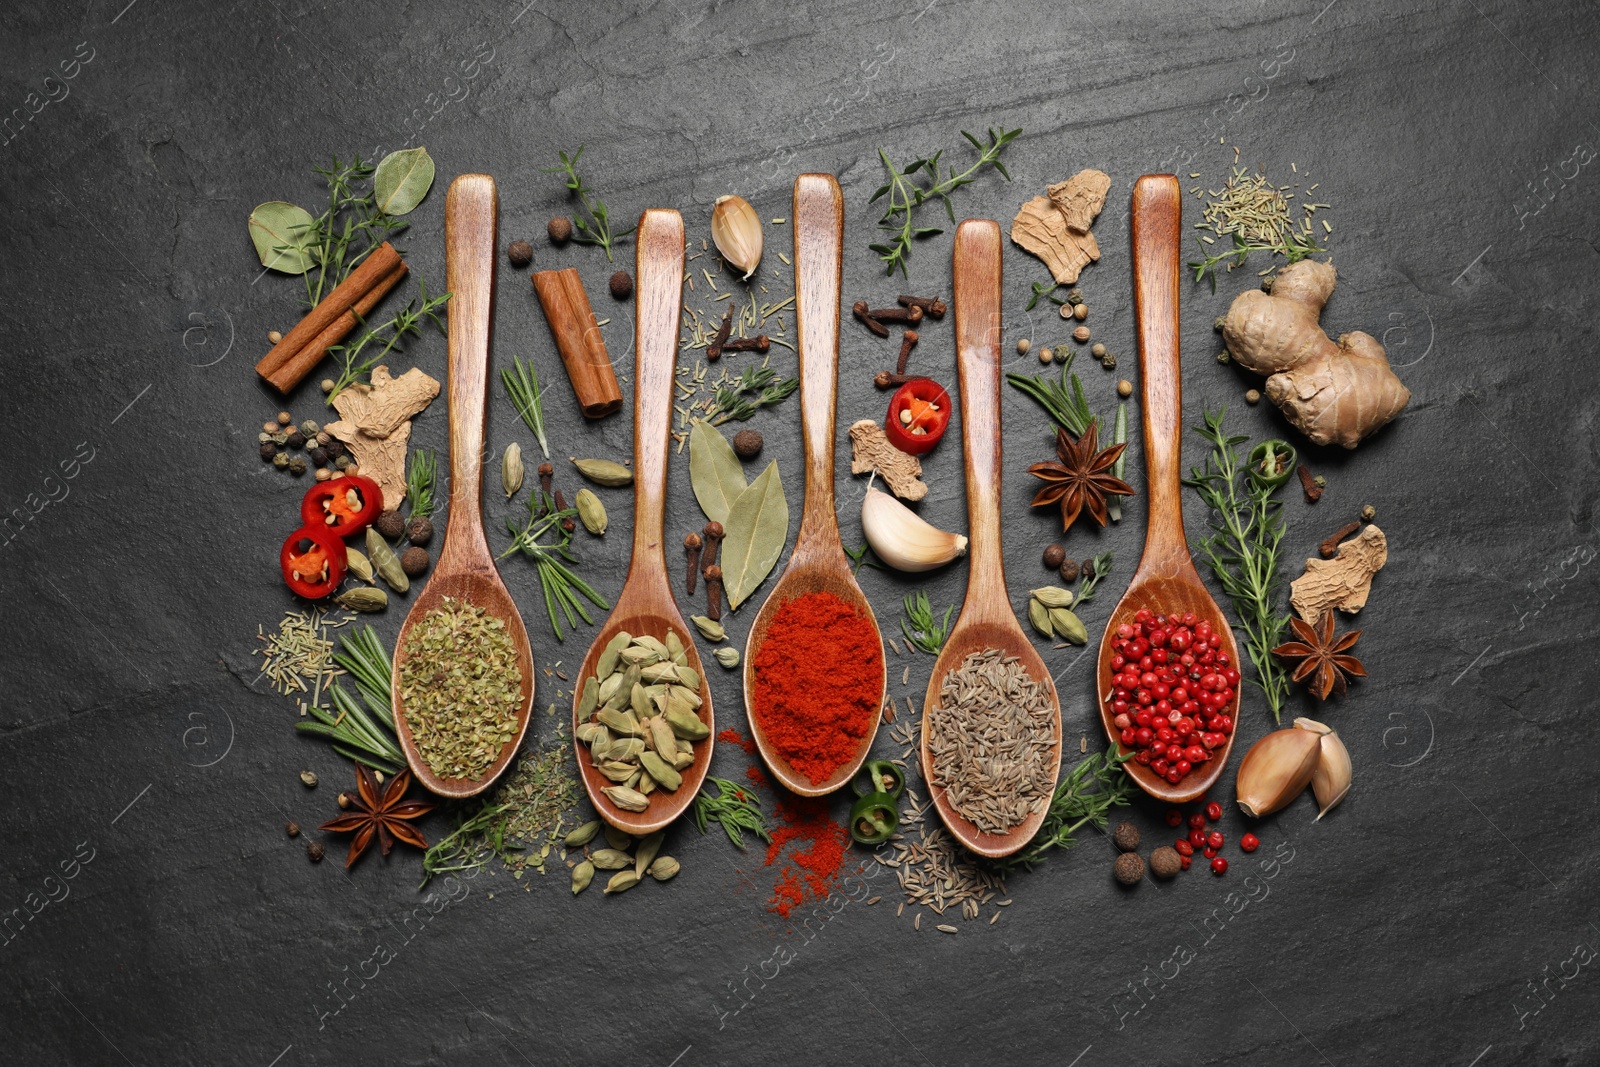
[583, 350]
[335, 315]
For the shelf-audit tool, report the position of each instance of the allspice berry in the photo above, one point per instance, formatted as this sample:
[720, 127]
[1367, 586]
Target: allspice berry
[419, 529]
[1129, 868]
[621, 285]
[390, 525]
[1054, 556]
[1125, 836]
[520, 253]
[291, 828]
[315, 851]
[1165, 862]
[414, 561]
[559, 229]
[747, 443]
[1068, 570]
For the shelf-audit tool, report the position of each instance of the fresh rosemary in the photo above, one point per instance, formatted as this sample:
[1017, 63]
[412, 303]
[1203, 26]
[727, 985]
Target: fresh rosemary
[362, 730]
[756, 387]
[925, 631]
[1083, 798]
[1098, 568]
[734, 808]
[1119, 436]
[352, 213]
[1255, 216]
[905, 195]
[420, 481]
[1243, 551]
[522, 386]
[408, 320]
[562, 587]
[597, 230]
[1066, 405]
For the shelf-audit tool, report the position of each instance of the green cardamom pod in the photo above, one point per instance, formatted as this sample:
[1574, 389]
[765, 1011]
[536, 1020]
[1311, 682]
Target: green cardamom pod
[610, 859]
[621, 881]
[709, 629]
[582, 875]
[612, 653]
[385, 562]
[363, 598]
[688, 676]
[582, 835]
[609, 687]
[1053, 596]
[604, 472]
[686, 724]
[1039, 615]
[627, 799]
[664, 868]
[666, 742]
[359, 564]
[590, 698]
[681, 759]
[619, 722]
[675, 647]
[647, 852]
[662, 771]
[591, 512]
[728, 657]
[1068, 626]
[617, 772]
[511, 469]
[644, 783]
[617, 839]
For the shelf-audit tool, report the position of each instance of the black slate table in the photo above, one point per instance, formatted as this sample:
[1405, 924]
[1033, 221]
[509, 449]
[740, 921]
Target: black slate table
[154, 910]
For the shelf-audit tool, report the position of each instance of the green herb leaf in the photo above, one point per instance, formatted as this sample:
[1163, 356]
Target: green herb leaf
[714, 471]
[402, 180]
[757, 528]
[283, 235]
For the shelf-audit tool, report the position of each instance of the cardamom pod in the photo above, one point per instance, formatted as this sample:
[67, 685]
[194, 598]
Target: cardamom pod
[608, 658]
[681, 759]
[1039, 615]
[609, 687]
[591, 732]
[662, 771]
[622, 880]
[359, 564]
[627, 799]
[363, 598]
[686, 724]
[618, 839]
[688, 676]
[664, 868]
[1068, 626]
[582, 835]
[511, 469]
[1053, 596]
[640, 656]
[620, 722]
[385, 562]
[582, 875]
[644, 783]
[675, 647]
[665, 740]
[590, 698]
[647, 852]
[604, 472]
[728, 657]
[610, 859]
[591, 512]
[709, 629]
[617, 772]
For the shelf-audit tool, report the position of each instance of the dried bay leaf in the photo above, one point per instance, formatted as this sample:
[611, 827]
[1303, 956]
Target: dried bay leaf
[756, 529]
[402, 180]
[714, 471]
[282, 233]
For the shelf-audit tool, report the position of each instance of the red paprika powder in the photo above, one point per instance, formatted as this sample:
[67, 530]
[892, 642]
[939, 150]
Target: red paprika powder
[819, 682]
[819, 849]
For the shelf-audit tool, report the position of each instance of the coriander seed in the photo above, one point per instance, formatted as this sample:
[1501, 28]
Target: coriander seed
[1124, 388]
[1081, 334]
[1368, 513]
[1045, 355]
[1252, 396]
[1097, 350]
[291, 828]
[327, 385]
[1080, 311]
[315, 851]
[273, 337]
[285, 418]
[270, 428]
[1023, 344]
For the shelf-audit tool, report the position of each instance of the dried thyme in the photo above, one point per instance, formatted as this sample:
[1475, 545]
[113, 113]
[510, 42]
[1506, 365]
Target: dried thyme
[1255, 216]
[520, 822]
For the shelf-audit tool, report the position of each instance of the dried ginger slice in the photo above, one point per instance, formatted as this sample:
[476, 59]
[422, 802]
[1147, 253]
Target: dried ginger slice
[1056, 227]
[870, 450]
[1080, 198]
[376, 423]
[1342, 582]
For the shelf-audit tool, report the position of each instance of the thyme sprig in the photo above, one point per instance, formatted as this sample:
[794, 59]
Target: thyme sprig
[1063, 401]
[420, 479]
[925, 631]
[560, 584]
[1046, 289]
[1083, 798]
[522, 386]
[597, 230]
[1243, 551]
[352, 213]
[1098, 568]
[756, 387]
[906, 195]
[734, 808]
[408, 320]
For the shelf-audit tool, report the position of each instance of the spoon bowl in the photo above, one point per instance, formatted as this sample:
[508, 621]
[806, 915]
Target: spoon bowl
[465, 571]
[1166, 581]
[987, 620]
[818, 563]
[646, 604]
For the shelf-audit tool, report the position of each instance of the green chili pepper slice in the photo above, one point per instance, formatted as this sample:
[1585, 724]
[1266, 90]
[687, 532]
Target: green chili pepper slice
[879, 776]
[873, 818]
[1272, 463]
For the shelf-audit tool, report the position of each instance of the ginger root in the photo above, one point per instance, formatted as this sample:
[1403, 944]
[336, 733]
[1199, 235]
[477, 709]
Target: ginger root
[1339, 393]
[1056, 227]
[376, 423]
[870, 450]
[1342, 582]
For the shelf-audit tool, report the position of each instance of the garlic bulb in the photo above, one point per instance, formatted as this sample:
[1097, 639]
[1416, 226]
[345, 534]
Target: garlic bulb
[902, 539]
[1277, 769]
[1331, 780]
[736, 231]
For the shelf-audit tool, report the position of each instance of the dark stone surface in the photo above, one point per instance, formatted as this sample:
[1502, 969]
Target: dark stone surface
[1437, 917]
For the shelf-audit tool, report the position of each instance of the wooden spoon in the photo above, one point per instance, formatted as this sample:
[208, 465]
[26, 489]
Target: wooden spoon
[1166, 581]
[465, 571]
[987, 619]
[646, 605]
[818, 564]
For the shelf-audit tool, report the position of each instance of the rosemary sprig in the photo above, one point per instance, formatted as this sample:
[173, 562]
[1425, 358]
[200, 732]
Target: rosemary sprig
[365, 734]
[597, 230]
[351, 213]
[1066, 405]
[1083, 798]
[561, 586]
[522, 386]
[756, 387]
[734, 808]
[420, 480]
[408, 320]
[1119, 436]
[1098, 568]
[1243, 551]
[925, 632]
[905, 195]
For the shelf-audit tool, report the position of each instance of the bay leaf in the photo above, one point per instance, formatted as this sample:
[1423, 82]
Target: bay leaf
[757, 527]
[714, 471]
[402, 180]
[282, 234]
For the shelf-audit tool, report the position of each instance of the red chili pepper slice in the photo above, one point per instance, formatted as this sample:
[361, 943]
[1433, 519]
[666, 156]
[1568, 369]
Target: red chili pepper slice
[313, 562]
[919, 413]
[329, 504]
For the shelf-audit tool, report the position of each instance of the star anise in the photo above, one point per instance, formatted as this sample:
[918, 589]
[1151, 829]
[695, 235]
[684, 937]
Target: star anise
[1082, 478]
[1322, 657]
[381, 815]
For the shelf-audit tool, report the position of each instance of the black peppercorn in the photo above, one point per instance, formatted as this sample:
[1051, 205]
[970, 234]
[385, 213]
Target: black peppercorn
[1125, 836]
[335, 447]
[520, 253]
[559, 229]
[1054, 556]
[319, 456]
[1086, 568]
[268, 450]
[296, 440]
[414, 561]
[747, 443]
[419, 530]
[315, 851]
[621, 285]
[1129, 868]
[1069, 570]
[1165, 862]
[390, 525]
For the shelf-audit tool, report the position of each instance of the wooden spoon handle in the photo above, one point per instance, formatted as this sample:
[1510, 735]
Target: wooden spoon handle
[659, 266]
[1157, 226]
[471, 213]
[818, 273]
[976, 267]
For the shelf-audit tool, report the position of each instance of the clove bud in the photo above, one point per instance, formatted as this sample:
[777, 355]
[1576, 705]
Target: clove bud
[910, 316]
[714, 593]
[713, 534]
[714, 349]
[932, 305]
[862, 313]
[759, 343]
[691, 545]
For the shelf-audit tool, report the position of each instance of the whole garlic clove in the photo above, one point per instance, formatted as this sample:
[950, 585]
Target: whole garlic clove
[736, 231]
[902, 539]
[1276, 770]
[1331, 780]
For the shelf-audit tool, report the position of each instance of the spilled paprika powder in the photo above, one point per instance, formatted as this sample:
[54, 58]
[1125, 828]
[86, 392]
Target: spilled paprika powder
[819, 682]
